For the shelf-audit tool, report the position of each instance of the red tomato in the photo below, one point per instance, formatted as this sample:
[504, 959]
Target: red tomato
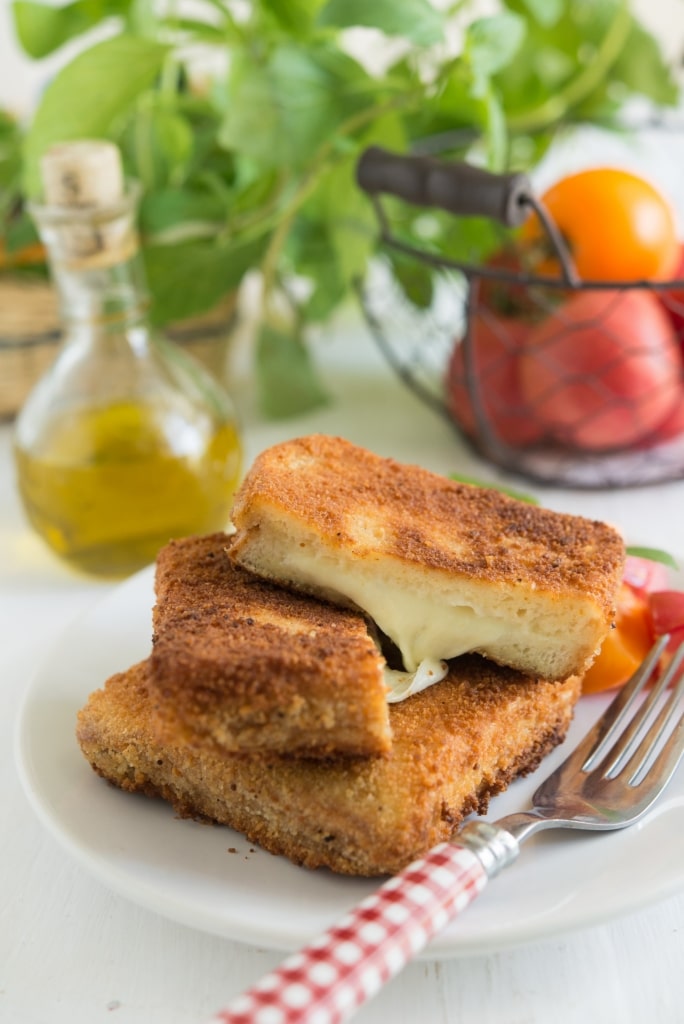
[603, 371]
[676, 639]
[671, 427]
[618, 227]
[644, 575]
[495, 341]
[673, 299]
[667, 610]
[506, 298]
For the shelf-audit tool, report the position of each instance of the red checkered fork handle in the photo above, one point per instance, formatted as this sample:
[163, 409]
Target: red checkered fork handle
[335, 974]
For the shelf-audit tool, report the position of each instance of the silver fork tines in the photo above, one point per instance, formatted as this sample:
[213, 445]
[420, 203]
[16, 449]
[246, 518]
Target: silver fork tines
[625, 760]
[635, 748]
[596, 743]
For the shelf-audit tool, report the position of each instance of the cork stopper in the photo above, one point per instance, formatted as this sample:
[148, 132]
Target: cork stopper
[85, 173]
[85, 177]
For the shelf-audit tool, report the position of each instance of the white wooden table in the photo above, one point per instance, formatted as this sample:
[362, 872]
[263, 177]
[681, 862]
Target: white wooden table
[71, 952]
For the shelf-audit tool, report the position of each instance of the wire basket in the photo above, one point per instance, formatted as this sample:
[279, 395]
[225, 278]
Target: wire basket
[495, 351]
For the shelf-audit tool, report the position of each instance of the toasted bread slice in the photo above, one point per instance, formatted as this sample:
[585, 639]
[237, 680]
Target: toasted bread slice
[251, 666]
[454, 746]
[442, 567]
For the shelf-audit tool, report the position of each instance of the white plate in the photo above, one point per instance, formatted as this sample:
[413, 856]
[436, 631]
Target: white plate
[212, 879]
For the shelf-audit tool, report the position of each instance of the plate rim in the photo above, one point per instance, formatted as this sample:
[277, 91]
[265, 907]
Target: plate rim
[279, 937]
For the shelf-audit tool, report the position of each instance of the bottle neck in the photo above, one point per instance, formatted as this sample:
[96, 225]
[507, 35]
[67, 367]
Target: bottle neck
[111, 297]
[95, 264]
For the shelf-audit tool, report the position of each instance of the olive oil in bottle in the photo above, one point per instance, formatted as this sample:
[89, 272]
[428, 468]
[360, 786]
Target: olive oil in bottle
[126, 442]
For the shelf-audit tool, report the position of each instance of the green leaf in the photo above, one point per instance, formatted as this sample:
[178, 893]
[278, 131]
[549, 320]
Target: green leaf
[295, 16]
[546, 12]
[297, 99]
[490, 45]
[174, 208]
[21, 231]
[510, 491]
[286, 377]
[349, 223]
[41, 28]
[414, 279]
[190, 279]
[89, 94]
[496, 134]
[173, 137]
[416, 20]
[653, 555]
[642, 68]
[200, 31]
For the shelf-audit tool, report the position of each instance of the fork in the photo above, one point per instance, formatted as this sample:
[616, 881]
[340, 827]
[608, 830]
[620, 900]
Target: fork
[609, 781]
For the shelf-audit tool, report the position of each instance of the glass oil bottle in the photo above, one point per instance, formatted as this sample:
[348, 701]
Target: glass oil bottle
[126, 442]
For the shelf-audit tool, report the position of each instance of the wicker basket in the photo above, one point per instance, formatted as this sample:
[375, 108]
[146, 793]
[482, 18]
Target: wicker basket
[30, 337]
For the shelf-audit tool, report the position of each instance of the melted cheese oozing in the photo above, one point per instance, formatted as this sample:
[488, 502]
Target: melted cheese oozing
[401, 685]
[424, 630]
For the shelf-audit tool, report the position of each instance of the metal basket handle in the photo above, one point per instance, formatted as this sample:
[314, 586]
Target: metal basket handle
[455, 187]
[458, 188]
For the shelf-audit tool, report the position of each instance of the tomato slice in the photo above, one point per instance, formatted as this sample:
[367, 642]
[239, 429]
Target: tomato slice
[667, 610]
[626, 645]
[676, 639]
[645, 575]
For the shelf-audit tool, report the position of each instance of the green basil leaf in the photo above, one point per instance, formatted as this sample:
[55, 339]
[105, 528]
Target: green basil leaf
[491, 44]
[297, 98]
[496, 134]
[414, 279]
[175, 208]
[653, 555]
[546, 12]
[42, 28]
[510, 491]
[190, 279]
[296, 16]
[173, 137]
[642, 68]
[199, 31]
[286, 377]
[21, 231]
[89, 94]
[416, 20]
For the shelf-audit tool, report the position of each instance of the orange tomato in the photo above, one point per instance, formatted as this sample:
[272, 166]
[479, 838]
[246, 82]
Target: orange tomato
[626, 645]
[617, 225]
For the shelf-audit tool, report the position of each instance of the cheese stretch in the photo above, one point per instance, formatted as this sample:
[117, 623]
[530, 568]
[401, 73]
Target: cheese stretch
[426, 632]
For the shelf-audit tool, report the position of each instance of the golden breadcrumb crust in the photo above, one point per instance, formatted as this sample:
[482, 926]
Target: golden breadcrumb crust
[252, 666]
[354, 498]
[454, 746]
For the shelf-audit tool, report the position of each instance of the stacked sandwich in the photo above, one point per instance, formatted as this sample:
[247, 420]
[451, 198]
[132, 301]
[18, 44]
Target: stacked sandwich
[368, 657]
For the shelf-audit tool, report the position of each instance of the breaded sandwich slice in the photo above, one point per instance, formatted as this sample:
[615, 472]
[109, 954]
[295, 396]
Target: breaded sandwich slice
[248, 666]
[454, 746]
[441, 567]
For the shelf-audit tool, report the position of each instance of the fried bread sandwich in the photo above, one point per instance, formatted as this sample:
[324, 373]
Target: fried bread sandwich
[453, 747]
[264, 703]
[248, 666]
[443, 568]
